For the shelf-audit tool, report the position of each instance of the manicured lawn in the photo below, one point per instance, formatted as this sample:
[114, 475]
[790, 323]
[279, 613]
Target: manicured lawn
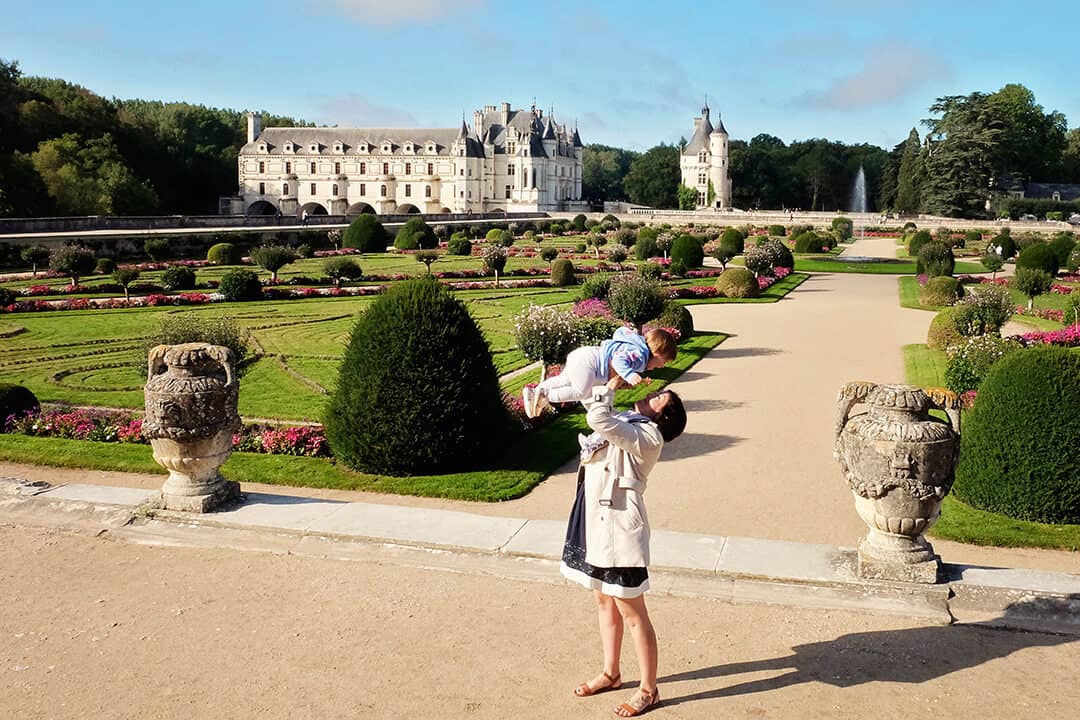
[819, 263]
[771, 294]
[523, 463]
[909, 298]
[924, 367]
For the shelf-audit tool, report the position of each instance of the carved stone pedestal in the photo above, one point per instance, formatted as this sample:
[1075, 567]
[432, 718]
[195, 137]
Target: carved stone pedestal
[194, 483]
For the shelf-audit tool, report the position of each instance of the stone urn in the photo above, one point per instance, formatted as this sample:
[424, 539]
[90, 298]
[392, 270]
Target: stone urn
[900, 463]
[191, 393]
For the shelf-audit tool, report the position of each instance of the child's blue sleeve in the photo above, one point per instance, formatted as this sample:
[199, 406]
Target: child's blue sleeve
[628, 360]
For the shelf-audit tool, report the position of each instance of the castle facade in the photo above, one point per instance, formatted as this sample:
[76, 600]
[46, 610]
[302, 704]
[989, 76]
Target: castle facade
[704, 163]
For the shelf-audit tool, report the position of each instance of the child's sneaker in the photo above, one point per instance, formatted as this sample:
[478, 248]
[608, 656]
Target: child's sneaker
[533, 399]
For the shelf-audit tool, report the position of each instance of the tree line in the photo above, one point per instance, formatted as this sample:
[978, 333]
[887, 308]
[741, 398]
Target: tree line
[975, 148]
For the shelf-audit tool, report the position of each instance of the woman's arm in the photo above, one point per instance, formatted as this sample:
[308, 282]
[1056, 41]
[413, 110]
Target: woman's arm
[624, 435]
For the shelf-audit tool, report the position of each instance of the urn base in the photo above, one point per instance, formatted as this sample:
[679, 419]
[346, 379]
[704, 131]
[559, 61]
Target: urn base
[223, 493]
[899, 558]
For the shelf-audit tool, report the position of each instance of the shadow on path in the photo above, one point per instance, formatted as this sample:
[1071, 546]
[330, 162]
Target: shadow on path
[721, 352]
[710, 405]
[914, 656]
[697, 444]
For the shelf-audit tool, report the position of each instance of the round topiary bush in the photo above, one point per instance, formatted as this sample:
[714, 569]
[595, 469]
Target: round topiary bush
[105, 266]
[415, 234]
[578, 222]
[459, 245]
[493, 235]
[943, 333]
[844, 227]
[18, 401]
[941, 290]
[687, 250]
[1062, 245]
[809, 242]
[645, 247]
[917, 240]
[1019, 452]
[737, 282]
[562, 273]
[178, 277]
[777, 230]
[223, 254]
[635, 298]
[935, 259]
[366, 234]
[417, 391]
[674, 315]
[239, 284]
[1039, 256]
[734, 239]
[596, 286]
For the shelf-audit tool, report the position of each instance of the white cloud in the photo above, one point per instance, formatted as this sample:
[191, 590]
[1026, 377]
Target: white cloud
[356, 111]
[386, 13]
[888, 73]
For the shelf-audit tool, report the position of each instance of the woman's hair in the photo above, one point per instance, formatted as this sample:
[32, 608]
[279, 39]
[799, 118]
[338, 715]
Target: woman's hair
[672, 417]
[661, 344]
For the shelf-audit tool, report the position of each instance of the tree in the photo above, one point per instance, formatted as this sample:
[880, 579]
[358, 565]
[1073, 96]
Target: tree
[960, 154]
[35, 255]
[1070, 157]
[272, 258]
[89, 177]
[909, 177]
[603, 170]
[1032, 282]
[654, 177]
[1032, 141]
[342, 268]
[427, 257]
[73, 261]
[124, 277]
[495, 260]
[992, 262]
[687, 197]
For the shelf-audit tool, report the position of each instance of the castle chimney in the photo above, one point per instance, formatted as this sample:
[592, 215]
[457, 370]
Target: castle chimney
[254, 126]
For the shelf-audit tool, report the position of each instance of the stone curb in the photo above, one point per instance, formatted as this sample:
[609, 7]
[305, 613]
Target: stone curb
[732, 569]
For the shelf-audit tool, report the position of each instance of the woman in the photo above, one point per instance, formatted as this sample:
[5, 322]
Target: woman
[607, 541]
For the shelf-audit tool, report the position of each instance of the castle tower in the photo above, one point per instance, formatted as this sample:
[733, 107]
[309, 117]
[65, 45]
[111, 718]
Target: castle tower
[718, 166]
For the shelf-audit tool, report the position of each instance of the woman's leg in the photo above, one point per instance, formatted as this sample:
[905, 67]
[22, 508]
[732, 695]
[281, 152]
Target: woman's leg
[611, 635]
[636, 615]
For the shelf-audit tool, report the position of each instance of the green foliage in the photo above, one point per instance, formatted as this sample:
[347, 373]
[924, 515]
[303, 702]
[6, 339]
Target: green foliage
[178, 277]
[493, 235]
[972, 238]
[579, 222]
[1032, 282]
[935, 259]
[273, 258]
[341, 268]
[562, 273]
[597, 285]
[809, 242]
[495, 260]
[635, 299]
[910, 176]
[459, 245]
[645, 247]
[734, 238]
[545, 333]
[239, 284]
[157, 248]
[1063, 244]
[677, 269]
[970, 361]
[224, 254]
[940, 290]
[91, 177]
[917, 240]
[428, 257]
[549, 253]
[686, 197]
[417, 391]
[610, 222]
[104, 266]
[1073, 263]
[1019, 452]
[943, 332]
[844, 227]
[625, 237]
[124, 277]
[654, 177]
[36, 255]
[7, 297]
[16, 400]
[687, 250]
[984, 310]
[556, 229]
[777, 230]
[736, 282]
[366, 234]
[651, 270]
[305, 251]
[992, 262]
[1039, 257]
[73, 261]
[674, 315]
[766, 255]
[617, 255]
[415, 234]
[603, 169]
[189, 327]
[1004, 241]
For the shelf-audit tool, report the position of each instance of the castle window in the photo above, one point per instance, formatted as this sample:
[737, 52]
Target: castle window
[382, 191]
[262, 167]
[288, 168]
[507, 192]
[338, 147]
[431, 168]
[262, 188]
[703, 157]
[363, 168]
[312, 188]
[510, 169]
[363, 188]
[700, 198]
[534, 177]
[285, 188]
[431, 149]
[312, 168]
[427, 191]
[408, 190]
[386, 168]
[314, 148]
[262, 147]
[386, 148]
[511, 146]
[337, 168]
[408, 168]
[702, 179]
[463, 172]
[333, 190]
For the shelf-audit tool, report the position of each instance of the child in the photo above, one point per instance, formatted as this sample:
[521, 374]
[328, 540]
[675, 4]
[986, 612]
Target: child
[627, 354]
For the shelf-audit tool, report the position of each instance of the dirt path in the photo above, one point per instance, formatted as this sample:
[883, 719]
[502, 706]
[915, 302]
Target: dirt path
[93, 628]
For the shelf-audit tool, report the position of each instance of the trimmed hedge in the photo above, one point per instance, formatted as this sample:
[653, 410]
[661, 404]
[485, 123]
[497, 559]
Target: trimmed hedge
[1019, 452]
[237, 285]
[777, 230]
[1039, 257]
[415, 234]
[562, 273]
[16, 400]
[459, 245]
[809, 242]
[734, 239]
[366, 234]
[917, 240]
[943, 333]
[417, 391]
[687, 250]
[941, 290]
[224, 254]
[737, 282]
[178, 277]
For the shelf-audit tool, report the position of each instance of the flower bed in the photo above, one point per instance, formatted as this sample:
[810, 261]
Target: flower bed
[1044, 313]
[1066, 337]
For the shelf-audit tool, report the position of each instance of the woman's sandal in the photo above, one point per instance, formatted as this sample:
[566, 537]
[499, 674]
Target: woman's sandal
[585, 690]
[648, 702]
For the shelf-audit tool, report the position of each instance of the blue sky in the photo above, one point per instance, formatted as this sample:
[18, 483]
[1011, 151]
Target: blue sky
[631, 73]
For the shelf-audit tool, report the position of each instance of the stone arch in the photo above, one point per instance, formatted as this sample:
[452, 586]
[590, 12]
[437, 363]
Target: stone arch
[360, 208]
[261, 207]
[446, 211]
[498, 211]
[406, 209]
[311, 208]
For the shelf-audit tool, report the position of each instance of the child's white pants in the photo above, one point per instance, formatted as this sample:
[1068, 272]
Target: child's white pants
[578, 377]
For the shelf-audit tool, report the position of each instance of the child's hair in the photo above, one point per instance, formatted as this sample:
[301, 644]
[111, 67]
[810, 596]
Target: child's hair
[661, 344]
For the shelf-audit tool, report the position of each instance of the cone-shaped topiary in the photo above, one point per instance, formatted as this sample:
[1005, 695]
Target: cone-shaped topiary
[562, 273]
[1019, 452]
[366, 234]
[737, 282]
[687, 250]
[417, 391]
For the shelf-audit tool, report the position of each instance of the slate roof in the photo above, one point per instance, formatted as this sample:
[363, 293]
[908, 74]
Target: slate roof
[700, 139]
[351, 138]
[1045, 191]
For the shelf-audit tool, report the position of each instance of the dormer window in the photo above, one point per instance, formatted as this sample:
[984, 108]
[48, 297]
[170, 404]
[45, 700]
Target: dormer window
[408, 147]
[386, 147]
[289, 147]
[431, 148]
[1056, 196]
[338, 147]
[511, 146]
[362, 147]
[262, 147]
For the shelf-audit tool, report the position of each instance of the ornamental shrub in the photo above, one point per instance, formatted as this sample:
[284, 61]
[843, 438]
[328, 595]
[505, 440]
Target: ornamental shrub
[178, 277]
[1063, 245]
[651, 270]
[417, 391]
[105, 266]
[943, 333]
[844, 227]
[758, 260]
[992, 262]
[415, 234]
[970, 360]
[935, 259]
[737, 282]
[15, 400]
[556, 228]
[625, 237]
[645, 247]
[545, 333]
[595, 329]
[1004, 241]
[495, 260]
[273, 258]
[188, 327]
[305, 251]
[1039, 257]
[578, 222]
[1018, 451]
[972, 238]
[809, 242]
[1032, 282]
[7, 297]
[549, 253]
[777, 230]
[223, 254]
[157, 249]
[342, 268]
[73, 261]
[459, 244]
[674, 315]
[562, 273]
[687, 250]
[635, 299]
[984, 310]
[677, 268]
[579, 248]
[1074, 261]
[917, 240]
[734, 239]
[365, 234]
[506, 238]
[493, 235]
[596, 286]
[240, 284]
[940, 290]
